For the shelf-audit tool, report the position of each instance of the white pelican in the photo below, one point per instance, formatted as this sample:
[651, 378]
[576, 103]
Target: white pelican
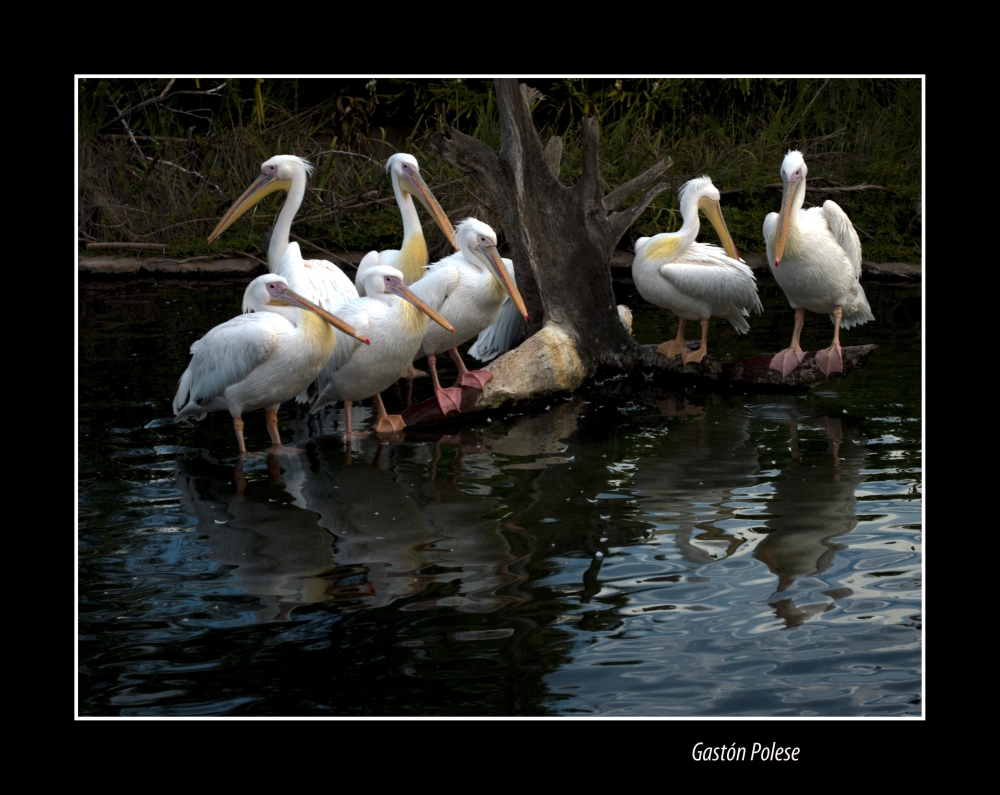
[395, 319]
[320, 281]
[412, 258]
[819, 255]
[695, 280]
[261, 359]
[474, 281]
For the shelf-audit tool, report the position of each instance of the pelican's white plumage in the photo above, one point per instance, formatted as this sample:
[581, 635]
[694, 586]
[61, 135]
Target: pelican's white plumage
[320, 281]
[695, 281]
[412, 257]
[815, 256]
[474, 282]
[395, 320]
[502, 334]
[258, 360]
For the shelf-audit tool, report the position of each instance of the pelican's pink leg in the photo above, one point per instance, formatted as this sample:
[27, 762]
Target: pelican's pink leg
[698, 355]
[791, 357]
[449, 399]
[347, 416]
[271, 417]
[831, 360]
[477, 379]
[385, 422]
[238, 426]
[676, 346]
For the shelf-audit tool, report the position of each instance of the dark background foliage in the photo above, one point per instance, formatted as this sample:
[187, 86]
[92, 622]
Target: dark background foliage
[161, 160]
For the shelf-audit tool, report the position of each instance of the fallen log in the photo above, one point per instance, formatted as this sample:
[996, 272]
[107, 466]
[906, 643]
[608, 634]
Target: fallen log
[161, 247]
[547, 364]
[755, 372]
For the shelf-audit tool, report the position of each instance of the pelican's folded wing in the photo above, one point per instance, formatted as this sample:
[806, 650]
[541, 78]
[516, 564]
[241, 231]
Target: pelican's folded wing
[227, 354]
[844, 233]
[709, 274]
[501, 335]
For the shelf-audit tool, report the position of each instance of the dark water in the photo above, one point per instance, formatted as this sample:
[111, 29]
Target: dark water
[627, 551]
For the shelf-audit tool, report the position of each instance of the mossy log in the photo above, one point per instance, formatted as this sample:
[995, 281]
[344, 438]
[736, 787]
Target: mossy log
[547, 364]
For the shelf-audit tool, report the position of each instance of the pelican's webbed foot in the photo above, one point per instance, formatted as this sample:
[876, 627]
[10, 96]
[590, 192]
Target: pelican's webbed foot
[477, 379]
[830, 360]
[787, 360]
[449, 399]
[389, 423]
[695, 356]
[672, 349]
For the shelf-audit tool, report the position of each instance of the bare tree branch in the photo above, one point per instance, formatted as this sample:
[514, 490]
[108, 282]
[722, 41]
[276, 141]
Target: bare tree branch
[154, 100]
[621, 221]
[251, 256]
[179, 223]
[618, 196]
[358, 200]
[156, 159]
[352, 154]
[182, 170]
[849, 189]
[337, 258]
[470, 155]
[809, 189]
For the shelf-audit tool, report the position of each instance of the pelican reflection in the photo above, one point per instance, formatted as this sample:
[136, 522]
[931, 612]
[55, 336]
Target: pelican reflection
[279, 554]
[813, 503]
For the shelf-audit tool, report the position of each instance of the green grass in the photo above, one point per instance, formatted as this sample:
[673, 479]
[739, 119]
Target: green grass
[195, 152]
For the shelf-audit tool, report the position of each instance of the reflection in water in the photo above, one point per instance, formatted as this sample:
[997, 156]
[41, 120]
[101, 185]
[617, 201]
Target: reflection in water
[474, 553]
[377, 527]
[635, 553]
[813, 502]
[694, 486]
[400, 524]
[688, 479]
[278, 552]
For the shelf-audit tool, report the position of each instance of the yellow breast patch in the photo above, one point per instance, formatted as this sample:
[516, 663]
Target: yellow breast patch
[663, 248]
[413, 258]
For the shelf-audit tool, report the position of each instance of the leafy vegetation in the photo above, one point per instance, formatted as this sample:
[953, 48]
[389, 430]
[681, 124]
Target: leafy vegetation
[160, 161]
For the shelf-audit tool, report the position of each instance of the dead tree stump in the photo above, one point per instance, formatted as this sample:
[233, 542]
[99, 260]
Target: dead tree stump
[561, 237]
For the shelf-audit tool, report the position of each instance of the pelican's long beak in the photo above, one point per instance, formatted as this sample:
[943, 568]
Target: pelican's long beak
[788, 194]
[292, 298]
[713, 212]
[415, 184]
[404, 292]
[261, 187]
[492, 257]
